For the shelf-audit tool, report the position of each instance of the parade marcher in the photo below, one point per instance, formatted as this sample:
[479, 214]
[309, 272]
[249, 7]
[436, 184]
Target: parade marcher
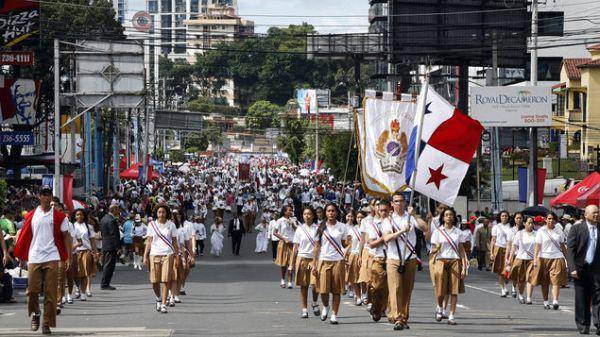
[304, 241]
[328, 262]
[274, 240]
[549, 261]
[200, 235]
[262, 241]
[353, 254]
[236, 232]
[139, 234]
[216, 237]
[521, 266]
[378, 290]
[43, 241]
[110, 245]
[286, 227]
[584, 262]
[160, 253]
[450, 263]
[85, 251]
[364, 273]
[400, 235]
[182, 263]
[510, 256]
[65, 275]
[500, 233]
[483, 239]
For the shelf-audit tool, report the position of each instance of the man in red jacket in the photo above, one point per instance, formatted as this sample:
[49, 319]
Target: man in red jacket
[43, 242]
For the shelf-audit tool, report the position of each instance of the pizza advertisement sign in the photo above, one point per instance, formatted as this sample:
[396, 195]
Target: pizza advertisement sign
[19, 20]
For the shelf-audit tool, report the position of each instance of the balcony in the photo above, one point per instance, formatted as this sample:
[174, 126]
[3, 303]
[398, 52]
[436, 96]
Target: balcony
[575, 115]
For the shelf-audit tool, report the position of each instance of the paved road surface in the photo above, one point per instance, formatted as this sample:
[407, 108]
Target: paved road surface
[240, 296]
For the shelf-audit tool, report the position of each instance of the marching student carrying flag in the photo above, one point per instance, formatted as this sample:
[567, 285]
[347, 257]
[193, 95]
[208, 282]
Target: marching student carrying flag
[449, 139]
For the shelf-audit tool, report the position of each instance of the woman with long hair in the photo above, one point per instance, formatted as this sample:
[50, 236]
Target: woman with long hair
[450, 263]
[139, 233]
[500, 233]
[160, 253]
[354, 257]
[516, 226]
[328, 262]
[286, 227]
[522, 250]
[305, 239]
[85, 250]
[549, 260]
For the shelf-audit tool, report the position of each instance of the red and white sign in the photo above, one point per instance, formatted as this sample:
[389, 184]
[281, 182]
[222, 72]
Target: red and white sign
[17, 58]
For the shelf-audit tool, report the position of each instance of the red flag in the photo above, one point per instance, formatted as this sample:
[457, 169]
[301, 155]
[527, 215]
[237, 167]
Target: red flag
[541, 181]
[68, 191]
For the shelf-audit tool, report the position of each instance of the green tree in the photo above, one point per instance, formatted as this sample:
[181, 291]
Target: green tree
[177, 156]
[269, 68]
[292, 139]
[177, 75]
[262, 115]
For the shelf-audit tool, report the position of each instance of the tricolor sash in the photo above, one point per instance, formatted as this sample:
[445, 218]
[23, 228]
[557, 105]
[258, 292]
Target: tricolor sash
[162, 237]
[335, 244]
[310, 238]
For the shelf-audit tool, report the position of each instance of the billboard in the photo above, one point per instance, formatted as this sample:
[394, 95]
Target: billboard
[512, 106]
[307, 101]
[18, 101]
[19, 19]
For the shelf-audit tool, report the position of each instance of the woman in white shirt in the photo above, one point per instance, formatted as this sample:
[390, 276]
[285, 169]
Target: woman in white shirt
[286, 227]
[262, 242]
[200, 235]
[354, 257]
[304, 241]
[85, 250]
[160, 253]
[549, 260]
[522, 251]
[450, 263]
[499, 236]
[509, 261]
[216, 237]
[274, 240]
[181, 267]
[328, 262]
[139, 233]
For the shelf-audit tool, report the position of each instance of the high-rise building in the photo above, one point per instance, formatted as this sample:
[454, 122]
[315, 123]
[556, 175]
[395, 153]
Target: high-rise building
[169, 18]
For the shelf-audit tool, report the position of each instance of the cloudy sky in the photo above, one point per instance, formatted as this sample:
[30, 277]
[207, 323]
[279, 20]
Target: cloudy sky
[352, 15]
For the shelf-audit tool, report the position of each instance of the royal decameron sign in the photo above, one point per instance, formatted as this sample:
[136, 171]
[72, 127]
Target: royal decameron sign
[512, 106]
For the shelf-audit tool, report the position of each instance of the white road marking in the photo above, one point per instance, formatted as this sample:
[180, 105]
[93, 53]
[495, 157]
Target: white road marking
[481, 289]
[462, 307]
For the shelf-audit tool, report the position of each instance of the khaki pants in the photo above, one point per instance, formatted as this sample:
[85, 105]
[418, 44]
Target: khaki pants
[47, 273]
[378, 291]
[400, 288]
[61, 281]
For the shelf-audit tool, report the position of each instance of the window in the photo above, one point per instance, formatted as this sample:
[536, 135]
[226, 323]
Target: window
[179, 49]
[180, 6]
[166, 21]
[180, 35]
[153, 6]
[576, 100]
[166, 6]
[194, 6]
[179, 20]
[166, 49]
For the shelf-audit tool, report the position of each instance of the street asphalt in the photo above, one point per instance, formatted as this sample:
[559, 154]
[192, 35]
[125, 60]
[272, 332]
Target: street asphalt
[240, 296]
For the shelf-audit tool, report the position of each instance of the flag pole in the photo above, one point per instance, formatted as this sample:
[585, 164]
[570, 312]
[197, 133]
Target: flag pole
[423, 100]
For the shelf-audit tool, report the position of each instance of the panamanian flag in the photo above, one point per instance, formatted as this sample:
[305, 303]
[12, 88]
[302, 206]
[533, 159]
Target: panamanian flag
[449, 140]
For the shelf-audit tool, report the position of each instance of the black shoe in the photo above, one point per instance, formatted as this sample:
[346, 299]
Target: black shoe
[597, 331]
[108, 288]
[479, 268]
[46, 330]
[406, 326]
[586, 331]
[182, 293]
[398, 326]
[555, 306]
[58, 310]
[35, 322]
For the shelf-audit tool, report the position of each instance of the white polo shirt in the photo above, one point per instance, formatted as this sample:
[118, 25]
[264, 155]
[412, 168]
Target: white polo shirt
[356, 238]
[400, 223]
[83, 232]
[549, 248]
[168, 231]
[306, 244]
[374, 232]
[501, 231]
[338, 233]
[446, 251]
[525, 243]
[42, 248]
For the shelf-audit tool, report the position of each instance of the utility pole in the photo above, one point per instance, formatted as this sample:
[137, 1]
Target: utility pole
[57, 146]
[532, 185]
[316, 137]
[496, 158]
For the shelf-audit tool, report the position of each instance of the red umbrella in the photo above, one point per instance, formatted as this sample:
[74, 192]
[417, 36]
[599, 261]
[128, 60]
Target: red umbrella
[133, 172]
[590, 197]
[570, 196]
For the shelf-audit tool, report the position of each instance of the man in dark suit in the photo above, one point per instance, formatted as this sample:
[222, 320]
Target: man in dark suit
[236, 231]
[584, 263]
[111, 242]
